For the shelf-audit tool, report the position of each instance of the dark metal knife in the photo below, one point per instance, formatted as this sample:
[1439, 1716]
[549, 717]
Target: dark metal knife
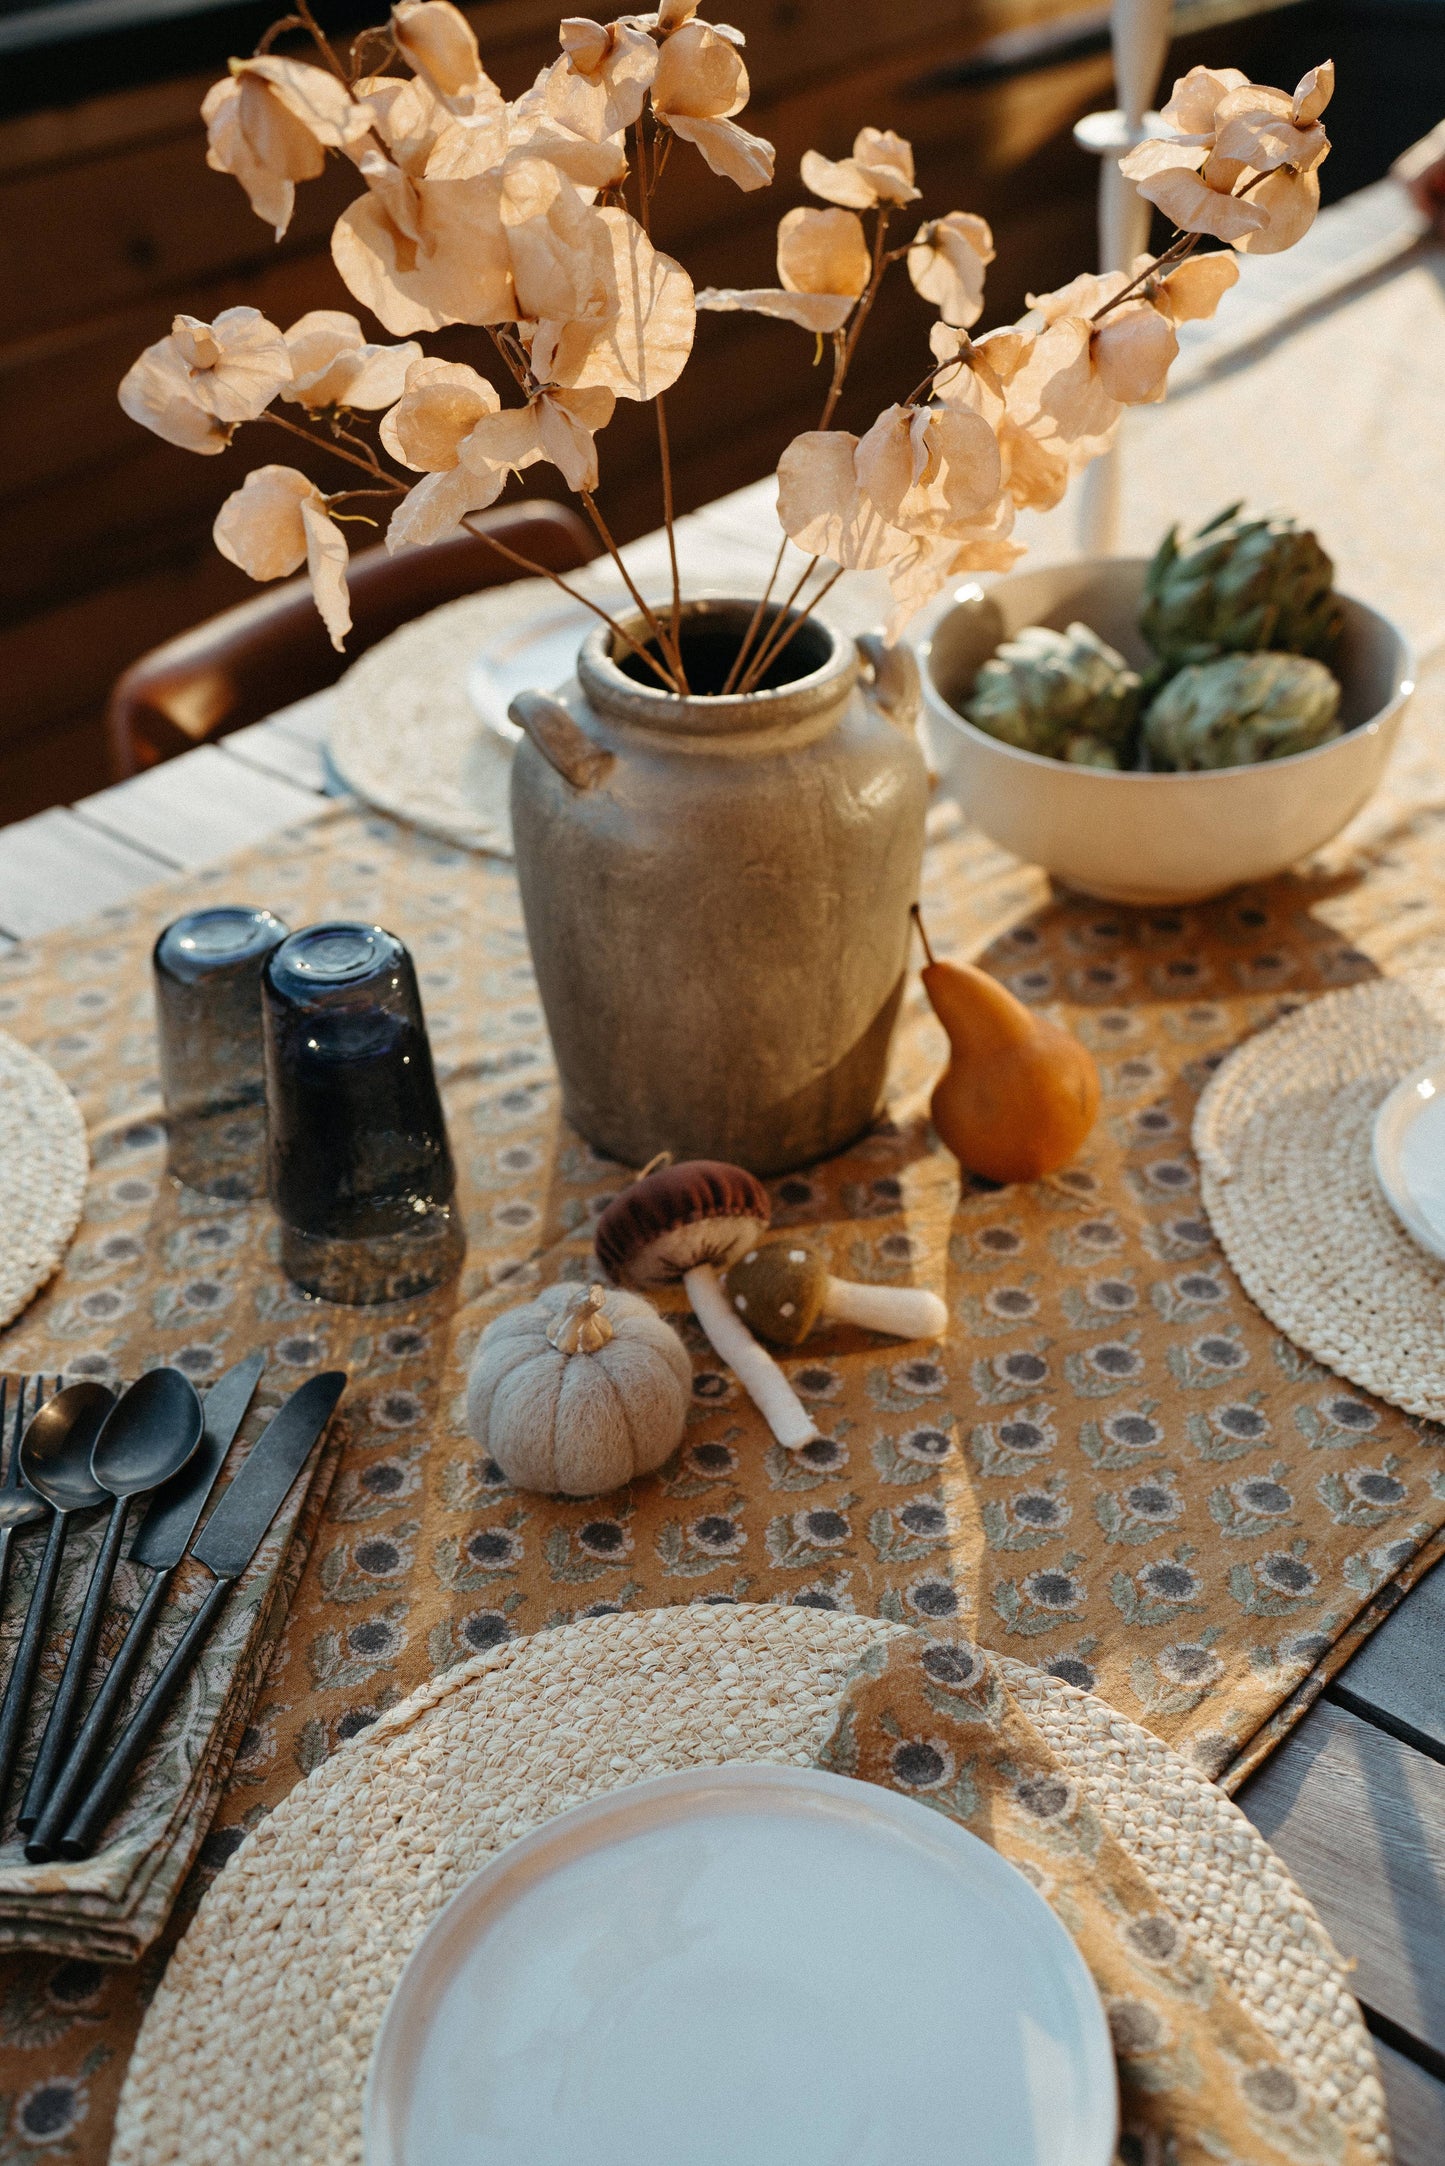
[226, 1544]
[159, 1543]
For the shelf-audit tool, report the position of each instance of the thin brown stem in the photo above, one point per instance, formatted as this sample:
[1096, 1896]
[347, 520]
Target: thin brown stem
[368, 465]
[843, 358]
[348, 496]
[541, 571]
[766, 644]
[604, 533]
[322, 44]
[1174, 254]
[917, 916]
[844, 345]
[665, 454]
[771, 654]
[757, 617]
[519, 374]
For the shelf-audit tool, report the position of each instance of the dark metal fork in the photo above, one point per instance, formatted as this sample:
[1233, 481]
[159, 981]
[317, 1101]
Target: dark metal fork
[19, 1505]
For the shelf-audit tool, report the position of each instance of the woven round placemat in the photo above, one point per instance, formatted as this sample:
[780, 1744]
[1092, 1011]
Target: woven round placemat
[1283, 1136]
[44, 1164]
[404, 733]
[257, 2043]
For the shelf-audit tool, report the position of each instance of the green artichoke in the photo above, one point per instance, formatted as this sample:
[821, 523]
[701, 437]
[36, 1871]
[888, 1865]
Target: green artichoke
[1242, 709]
[1064, 694]
[1237, 586]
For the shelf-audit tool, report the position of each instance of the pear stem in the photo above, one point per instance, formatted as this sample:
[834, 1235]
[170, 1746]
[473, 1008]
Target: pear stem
[918, 921]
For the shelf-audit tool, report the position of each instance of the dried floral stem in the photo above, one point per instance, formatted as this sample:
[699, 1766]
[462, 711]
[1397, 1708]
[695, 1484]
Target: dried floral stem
[760, 658]
[368, 464]
[757, 617]
[843, 357]
[541, 571]
[771, 654]
[670, 654]
[308, 22]
[644, 196]
[843, 350]
[1184, 244]
[665, 453]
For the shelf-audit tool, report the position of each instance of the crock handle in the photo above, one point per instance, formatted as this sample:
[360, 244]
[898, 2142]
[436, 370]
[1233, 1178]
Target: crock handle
[894, 683]
[560, 741]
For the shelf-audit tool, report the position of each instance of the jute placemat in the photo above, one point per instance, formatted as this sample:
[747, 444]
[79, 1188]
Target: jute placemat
[44, 1162]
[1235, 2032]
[1283, 1137]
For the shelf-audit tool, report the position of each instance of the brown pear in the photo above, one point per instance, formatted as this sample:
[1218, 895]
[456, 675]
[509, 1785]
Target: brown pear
[1019, 1095]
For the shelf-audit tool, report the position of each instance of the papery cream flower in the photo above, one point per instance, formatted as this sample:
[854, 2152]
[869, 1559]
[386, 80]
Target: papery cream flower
[560, 246]
[442, 402]
[408, 117]
[879, 171]
[1195, 290]
[946, 264]
[423, 253]
[271, 123]
[441, 45]
[558, 426]
[823, 266]
[332, 364]
[1131, 350]
[600, 85]
[929, 469]
[700, 83]
[640, 344]
[275, 522]
[1243, 164]
[991, 377]
[861, 502]
[193, 387]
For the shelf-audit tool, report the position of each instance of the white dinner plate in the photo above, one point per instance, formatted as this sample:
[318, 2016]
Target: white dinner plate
[1409, 1152]
[744, 1966]
[539, 656]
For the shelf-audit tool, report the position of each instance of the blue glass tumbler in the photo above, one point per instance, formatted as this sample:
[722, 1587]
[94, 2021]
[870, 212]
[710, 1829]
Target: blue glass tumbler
[207, 968]
[359, 1167]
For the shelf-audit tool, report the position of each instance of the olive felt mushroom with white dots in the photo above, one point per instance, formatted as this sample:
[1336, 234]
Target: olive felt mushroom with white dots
[784, 1290]
[689, 1222]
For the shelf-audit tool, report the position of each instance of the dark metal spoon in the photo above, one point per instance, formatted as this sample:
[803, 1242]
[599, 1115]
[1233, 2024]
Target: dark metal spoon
[55, 1460]
[149, 1435]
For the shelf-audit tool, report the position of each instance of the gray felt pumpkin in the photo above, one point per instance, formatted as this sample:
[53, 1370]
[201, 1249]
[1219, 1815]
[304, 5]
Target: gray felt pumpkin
[579, 1390]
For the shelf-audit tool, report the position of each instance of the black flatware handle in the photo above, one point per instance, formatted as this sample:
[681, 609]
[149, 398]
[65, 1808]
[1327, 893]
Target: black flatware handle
[91, 1735]
[77, 1668]
[125, 1756]
[14, 1706]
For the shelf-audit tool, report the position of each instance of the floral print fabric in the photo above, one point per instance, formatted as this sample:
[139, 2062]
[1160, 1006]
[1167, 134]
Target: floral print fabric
[1113, 1466]
[1198, 2079]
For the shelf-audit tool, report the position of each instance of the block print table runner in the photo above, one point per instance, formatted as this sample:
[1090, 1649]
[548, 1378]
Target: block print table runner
[1113, 1467]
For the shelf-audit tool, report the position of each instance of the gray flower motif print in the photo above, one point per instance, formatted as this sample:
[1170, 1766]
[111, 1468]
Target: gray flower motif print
[922, 1763]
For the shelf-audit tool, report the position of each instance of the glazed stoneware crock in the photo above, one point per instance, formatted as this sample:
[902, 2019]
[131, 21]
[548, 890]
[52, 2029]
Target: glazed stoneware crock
[717, 894]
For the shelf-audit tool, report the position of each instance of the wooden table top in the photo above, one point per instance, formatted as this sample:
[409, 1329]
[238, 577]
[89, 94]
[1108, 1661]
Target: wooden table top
[1354, 1799]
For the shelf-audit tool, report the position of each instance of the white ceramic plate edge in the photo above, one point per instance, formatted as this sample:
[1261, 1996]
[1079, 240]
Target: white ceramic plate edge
[1393, 1121]
[669, 1797]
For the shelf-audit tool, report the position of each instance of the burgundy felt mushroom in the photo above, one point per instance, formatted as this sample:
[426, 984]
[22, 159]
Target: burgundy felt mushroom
[690, 1222]
[783, 1290]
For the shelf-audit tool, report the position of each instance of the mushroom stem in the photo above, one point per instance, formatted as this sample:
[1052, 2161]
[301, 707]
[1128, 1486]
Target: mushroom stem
[756, 1370]
[906, 1312]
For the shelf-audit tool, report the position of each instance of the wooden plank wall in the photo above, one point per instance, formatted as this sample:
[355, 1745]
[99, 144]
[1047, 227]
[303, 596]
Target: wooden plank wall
[110, 222]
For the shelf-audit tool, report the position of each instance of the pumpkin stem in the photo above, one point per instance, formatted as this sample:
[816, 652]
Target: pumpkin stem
[585, 1327]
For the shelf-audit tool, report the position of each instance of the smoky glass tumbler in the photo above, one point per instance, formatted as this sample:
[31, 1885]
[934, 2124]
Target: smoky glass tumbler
[207, 971]
[359, 1168]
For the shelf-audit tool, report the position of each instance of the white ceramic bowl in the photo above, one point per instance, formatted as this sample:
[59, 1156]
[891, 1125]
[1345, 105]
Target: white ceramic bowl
[1150, 838]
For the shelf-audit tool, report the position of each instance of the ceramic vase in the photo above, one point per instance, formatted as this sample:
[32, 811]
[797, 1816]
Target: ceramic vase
[717, 891]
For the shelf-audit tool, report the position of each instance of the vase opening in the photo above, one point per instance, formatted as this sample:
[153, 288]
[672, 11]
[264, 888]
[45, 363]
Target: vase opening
[710, 640]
